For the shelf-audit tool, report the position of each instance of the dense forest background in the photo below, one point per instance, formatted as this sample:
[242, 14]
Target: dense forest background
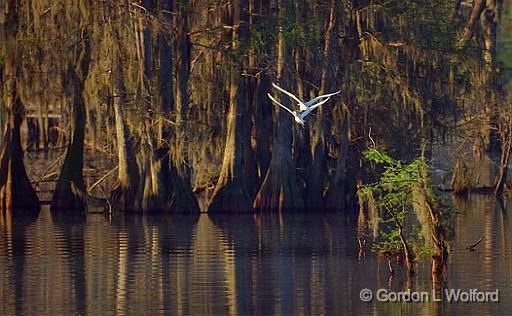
[167, 100]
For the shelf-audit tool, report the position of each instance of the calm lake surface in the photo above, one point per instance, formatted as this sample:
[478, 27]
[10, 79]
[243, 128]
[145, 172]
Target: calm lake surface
[293, 264]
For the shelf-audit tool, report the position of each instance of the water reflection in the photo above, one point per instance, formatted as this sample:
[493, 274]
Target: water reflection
[15, 250]
[229, 265]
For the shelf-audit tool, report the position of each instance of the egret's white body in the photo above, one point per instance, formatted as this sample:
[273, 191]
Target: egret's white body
[304, 106]
[299, 117]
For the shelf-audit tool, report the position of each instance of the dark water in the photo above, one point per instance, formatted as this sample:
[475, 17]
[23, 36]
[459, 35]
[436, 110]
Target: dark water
[296, 264]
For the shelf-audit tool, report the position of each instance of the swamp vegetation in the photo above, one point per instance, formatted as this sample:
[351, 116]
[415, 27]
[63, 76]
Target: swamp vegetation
[166, 102]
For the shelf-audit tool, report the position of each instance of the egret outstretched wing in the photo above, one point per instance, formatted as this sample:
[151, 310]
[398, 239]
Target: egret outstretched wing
[311, 108]
[287, 109]
[312, 101]
[303, 107]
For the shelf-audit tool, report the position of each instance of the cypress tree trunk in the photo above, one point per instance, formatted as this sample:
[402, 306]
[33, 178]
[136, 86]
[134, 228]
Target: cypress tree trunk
[426, 206]
[70, 192]
[469, 29]
[336, 194]
[250, 167]
[280, 191]
[315, 184]
[16, 192]
[262, 123]
[505, 132]
[490, 18]
[157, 189]
[183, 199]
[124, 195]
[230, 194]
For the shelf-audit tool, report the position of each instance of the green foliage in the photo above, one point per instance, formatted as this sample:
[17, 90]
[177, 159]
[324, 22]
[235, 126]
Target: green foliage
[390, 242]
[256, 40]
[393, 196]
[297, 33]
[505, 39]
[396, 179]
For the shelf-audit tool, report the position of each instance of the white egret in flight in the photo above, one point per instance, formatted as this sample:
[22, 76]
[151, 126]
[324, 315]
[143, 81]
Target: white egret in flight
[304, 105]
[299, 117]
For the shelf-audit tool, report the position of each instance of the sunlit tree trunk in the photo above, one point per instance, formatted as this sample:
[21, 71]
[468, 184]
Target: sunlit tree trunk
[427, 207]
[230, 193]
[280, 191]
[124, 196]
[505, 132]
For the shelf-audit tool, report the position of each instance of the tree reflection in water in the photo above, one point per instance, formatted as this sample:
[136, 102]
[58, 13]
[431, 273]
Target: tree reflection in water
[229, 265]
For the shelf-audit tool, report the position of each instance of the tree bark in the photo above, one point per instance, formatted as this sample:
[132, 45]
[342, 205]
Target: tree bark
[469, 29]
[158, 188]
[124, 196]
[505, 131]
[428, 211]
[230, 193]
[16, 192]
[489, 21]
[70, 192]
[315, 184]
[280, 191]
[336, 194]
[183, 197]
[262, 112]
[17, 196]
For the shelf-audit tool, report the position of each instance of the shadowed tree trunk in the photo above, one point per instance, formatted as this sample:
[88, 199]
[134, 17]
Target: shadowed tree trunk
[16, 192]
[250, 166]
[262, 123]
[158, 189]
[487, 12]
[469, 29]
[230, 193]
[70, 192]
[262, 109]
[315, 183]
[183, 199]
[336, 194]
[280, 191]
[157, 178]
